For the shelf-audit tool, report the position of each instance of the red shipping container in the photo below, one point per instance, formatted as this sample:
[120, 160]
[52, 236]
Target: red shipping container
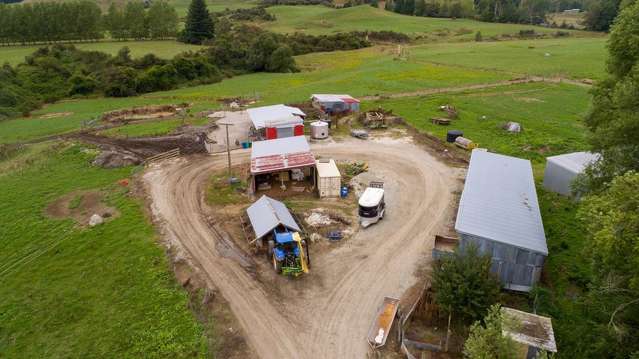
[299, 130]
[271, 133]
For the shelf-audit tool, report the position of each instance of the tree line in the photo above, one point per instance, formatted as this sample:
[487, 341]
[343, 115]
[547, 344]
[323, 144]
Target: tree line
[599, 14]
[50, 22]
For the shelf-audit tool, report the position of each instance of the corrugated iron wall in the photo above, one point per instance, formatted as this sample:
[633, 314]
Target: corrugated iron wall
[518, 269]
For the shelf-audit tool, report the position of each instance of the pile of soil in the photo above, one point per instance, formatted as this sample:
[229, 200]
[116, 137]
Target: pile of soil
[80, 206]
[142, 113]
[118, 152]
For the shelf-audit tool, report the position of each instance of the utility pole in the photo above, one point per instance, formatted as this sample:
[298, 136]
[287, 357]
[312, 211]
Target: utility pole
[228, 144]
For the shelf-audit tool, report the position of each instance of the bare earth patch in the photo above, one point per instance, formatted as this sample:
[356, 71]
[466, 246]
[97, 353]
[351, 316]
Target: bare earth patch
[56, 115]
[80, 206]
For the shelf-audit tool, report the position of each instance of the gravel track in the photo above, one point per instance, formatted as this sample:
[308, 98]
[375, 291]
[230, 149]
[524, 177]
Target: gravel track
[325, 314]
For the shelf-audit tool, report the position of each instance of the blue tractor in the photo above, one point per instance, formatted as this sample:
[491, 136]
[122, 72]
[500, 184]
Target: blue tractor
[288, 252]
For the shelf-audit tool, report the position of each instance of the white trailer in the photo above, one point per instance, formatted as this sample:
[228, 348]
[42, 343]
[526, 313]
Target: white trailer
[371, 204]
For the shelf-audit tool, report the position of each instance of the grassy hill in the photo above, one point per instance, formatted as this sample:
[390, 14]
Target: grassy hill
[324, 20]
[180, 5]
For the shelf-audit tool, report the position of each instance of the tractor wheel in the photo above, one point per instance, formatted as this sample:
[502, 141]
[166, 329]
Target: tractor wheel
[277, 265]
[269, 251]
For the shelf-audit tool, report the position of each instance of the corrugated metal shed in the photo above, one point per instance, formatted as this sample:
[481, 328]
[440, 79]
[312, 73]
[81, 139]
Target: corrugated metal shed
[333, 98]
[263, 116]
[281, 154]
[561, 170]
[499, 202]
[266, 214]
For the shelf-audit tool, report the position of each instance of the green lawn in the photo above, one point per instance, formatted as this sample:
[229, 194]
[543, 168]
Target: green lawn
[568, 57]
[316, 20]
[73, 292]
[551, 116]
[164, 49]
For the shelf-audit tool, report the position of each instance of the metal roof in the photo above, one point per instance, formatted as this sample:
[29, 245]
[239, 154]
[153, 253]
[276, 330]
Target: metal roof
[333, 98]
[371, 197]
[281, 154]
[529, 329]
[576, 161]
[261, 116]
[499, 202]
[266, 214]
[327, 169]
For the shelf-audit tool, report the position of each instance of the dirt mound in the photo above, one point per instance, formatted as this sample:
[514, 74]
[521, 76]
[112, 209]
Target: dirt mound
[132, 150]
[80, 206]
[116, 159]
[143, 113]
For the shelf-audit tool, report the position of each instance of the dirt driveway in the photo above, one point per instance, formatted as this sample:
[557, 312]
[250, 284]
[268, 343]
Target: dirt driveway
[325, 314]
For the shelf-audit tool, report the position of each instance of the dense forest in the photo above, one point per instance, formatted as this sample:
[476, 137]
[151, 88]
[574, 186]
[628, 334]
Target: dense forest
[48, 22]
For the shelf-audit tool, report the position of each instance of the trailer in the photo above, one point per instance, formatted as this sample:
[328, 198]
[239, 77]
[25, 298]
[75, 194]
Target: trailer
[378, 333]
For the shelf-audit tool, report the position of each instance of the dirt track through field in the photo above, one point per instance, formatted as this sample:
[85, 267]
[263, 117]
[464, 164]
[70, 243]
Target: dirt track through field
[327, 313]
[443, 90]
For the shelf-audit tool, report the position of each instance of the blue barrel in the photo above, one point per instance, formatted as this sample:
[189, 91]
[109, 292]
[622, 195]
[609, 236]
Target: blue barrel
[245, 145]
[343, 192]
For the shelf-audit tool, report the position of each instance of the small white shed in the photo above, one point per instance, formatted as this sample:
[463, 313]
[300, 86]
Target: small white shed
[329, 180]
[561, 170]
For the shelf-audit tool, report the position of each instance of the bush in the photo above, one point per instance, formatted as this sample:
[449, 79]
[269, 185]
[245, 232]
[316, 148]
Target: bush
[120, 81]
[464, 285]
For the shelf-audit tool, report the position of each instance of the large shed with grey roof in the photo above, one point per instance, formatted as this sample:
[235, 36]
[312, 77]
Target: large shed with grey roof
[499, 213]
[266, 214]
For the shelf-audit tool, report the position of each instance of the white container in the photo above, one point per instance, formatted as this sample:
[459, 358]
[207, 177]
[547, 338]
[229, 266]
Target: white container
[329, 180]
[319, 130]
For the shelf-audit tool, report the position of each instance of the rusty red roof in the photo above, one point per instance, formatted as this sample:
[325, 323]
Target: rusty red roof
[281, 154]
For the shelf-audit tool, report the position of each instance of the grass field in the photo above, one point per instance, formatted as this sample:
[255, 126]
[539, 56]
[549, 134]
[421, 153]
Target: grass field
[550, 115]
[317, 20]
[578, 58]
[78, 292]
[151, 128]
[163, 49]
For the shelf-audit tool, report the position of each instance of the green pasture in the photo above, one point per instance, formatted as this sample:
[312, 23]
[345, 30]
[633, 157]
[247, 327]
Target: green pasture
[151, 128]
[550, 114]
[578, 58]
[318, 20]
[163, 49]
[74, 292]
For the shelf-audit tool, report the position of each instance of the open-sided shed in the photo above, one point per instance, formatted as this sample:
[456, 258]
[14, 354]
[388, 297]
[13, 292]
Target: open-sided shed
[280, 156]
[277, 121]
[561, 170]
[499, 213]
[266, 214]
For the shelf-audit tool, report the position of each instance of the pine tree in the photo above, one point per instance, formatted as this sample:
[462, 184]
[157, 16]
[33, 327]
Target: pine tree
[199, 26]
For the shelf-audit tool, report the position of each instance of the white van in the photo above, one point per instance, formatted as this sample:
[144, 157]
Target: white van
[371, 204]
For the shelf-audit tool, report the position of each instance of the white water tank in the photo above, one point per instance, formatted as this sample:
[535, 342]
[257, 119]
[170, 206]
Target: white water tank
[319, 130]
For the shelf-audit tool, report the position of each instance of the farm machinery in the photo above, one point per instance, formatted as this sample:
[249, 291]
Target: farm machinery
[288, 252]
